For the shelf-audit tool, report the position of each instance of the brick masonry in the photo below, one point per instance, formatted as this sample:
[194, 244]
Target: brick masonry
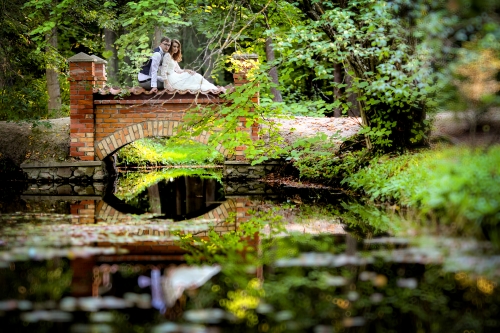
[103, 123]
[225, 218]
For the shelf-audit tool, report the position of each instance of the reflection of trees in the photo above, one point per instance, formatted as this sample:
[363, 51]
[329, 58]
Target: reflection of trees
[366, 293]
[131, 184]
[177, 198]
[36, 281]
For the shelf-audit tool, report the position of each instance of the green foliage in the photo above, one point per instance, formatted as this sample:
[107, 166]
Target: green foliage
[454, 185]
[389, 75]
[165, 151]
[234, 247]
[26, 102]
[226, 118]
[319, 159]
[367, 221]
[49, 279]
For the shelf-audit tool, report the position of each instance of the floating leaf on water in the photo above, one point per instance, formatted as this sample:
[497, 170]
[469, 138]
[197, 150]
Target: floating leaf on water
[111, 302]
[264, 308]
[283, 315]
[55, 316]
[131, 297]
[353, 321]
[308, 259]
[335, 281]
[101, 317]
[182, 328]
[387, 240]
[68, 304]
[24, 305]
[352, 295]
[92, 328]
[89, 303]
[166, 328]
[376, 298]
[314, 259]
[8, 305]
[324, 329]
[206, 316]
[344, 259]
[366, 276]
[410, 283]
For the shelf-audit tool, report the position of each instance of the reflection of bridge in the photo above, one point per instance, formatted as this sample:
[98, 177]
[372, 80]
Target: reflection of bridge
[104, 119]
[166, 251]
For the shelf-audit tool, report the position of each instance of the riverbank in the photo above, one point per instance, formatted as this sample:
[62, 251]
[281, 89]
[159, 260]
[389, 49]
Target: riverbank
[456, 188]
[48, 141]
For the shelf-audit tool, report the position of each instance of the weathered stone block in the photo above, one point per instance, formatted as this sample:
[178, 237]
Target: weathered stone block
[64, 190]
[64, 173]
[99, 175]
[79, 172]
[45, 175]
[99, 188]
[32, 174]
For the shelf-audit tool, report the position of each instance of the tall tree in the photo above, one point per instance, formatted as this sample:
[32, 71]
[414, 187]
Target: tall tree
[52, 74]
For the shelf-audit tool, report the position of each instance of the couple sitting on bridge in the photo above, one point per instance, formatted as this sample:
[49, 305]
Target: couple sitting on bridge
[166, 57]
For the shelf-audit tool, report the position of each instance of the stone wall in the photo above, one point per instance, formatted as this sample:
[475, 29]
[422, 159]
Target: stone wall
[68, 172]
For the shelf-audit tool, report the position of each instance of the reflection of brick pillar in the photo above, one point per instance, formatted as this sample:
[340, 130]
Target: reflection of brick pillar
[82, 278]
[245, 64]
[82, 78]
[83, 212]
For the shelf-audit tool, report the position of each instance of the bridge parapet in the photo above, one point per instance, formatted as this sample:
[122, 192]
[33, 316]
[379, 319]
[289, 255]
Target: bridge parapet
[104, 119]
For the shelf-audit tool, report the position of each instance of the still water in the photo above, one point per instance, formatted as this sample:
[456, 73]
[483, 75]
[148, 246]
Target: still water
[184, 254]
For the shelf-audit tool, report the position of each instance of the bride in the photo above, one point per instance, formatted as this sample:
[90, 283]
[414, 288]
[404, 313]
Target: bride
[184, 79]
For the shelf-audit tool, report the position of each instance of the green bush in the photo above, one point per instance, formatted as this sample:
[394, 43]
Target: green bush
[455, 185]
[24, 102]
[165, 151]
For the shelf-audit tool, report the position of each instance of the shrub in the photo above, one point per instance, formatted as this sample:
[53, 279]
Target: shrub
[456, 185]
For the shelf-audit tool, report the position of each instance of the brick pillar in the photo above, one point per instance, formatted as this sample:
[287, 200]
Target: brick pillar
[244, 63]
[100, 71]
[82, 78]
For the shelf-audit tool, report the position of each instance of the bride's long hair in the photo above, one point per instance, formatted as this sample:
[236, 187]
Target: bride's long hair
[178, 55]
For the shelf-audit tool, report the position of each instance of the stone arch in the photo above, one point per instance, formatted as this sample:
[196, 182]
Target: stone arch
[151, 128]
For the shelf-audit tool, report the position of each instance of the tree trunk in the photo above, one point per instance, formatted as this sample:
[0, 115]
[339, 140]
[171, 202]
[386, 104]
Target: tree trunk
[337, 91]
[157, 37]
[273, 72]
[53, 88]
[154, 199]
[128, 80]
[112, 66]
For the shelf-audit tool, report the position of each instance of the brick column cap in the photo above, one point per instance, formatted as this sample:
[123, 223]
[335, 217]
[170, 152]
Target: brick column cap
[98, 60]
[82, 57]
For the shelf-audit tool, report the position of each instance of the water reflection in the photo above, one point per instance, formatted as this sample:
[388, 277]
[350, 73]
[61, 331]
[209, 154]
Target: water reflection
[249, 264]
[177, 199]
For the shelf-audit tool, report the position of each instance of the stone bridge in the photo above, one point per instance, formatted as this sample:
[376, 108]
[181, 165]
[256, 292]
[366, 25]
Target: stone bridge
[104, 119]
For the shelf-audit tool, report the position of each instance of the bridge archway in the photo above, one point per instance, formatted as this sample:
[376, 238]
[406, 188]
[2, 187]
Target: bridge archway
[154, 128]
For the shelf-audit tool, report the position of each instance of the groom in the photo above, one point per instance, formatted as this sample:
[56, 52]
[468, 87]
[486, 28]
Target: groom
[148, 76]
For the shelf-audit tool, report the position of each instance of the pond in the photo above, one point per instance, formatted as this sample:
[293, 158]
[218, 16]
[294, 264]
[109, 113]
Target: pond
[163, 252]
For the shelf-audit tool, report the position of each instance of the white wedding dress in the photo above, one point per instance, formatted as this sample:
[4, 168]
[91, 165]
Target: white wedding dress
[183, 81]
